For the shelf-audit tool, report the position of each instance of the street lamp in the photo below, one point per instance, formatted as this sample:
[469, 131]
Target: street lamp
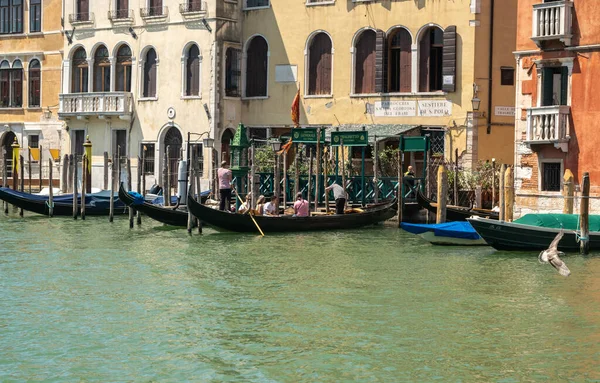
[276, 145]
[475, 101]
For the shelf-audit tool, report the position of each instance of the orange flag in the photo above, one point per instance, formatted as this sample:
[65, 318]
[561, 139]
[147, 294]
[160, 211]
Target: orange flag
[296, 109]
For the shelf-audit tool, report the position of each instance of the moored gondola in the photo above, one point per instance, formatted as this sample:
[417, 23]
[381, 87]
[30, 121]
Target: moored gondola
[95, 204]
[455, 213]
[244, 223]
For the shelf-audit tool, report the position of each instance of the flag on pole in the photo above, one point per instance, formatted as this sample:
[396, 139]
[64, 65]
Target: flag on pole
[296, 110]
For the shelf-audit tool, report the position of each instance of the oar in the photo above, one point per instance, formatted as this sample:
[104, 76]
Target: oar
[251, 216]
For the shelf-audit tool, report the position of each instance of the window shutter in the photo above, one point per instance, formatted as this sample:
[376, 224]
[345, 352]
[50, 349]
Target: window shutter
[449, 60]
[424, 53]
[364, 71]
[325, 69]
[547, 82]
[405, 62]
[380, 61]
[564, 86]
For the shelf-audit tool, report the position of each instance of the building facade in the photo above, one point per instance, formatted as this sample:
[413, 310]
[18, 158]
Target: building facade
[557, 64]
[31, 44]
[138, 76]
[389, 67]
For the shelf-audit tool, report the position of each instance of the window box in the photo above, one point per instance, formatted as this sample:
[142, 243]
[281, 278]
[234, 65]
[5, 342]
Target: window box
[121, 16]
[81, 18]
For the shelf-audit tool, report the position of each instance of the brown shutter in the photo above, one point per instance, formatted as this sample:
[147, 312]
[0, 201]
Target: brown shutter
[449, 60]
[380, 58]
[364, 71]
[319, 75]
[325, 69]
[405, 62]
[424, 54]
[84, 9]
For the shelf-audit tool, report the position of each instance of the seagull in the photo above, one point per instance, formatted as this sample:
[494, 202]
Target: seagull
[551, 256]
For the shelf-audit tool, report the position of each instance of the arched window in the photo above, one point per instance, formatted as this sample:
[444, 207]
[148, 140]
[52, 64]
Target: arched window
[256, 68]
[101, 70]
[11, 84]
[35, 79]
[399, 61]
[233, 72]
[149, 89]
[431, 47]
[319, 65]
[192, 71]
[79, 72]
[123, 69]
[364, 63]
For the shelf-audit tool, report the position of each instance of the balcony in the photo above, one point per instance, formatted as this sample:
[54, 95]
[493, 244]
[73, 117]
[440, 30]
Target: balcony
[193, 8]
[81, 18]
[121, 16]
[154, 13]
[553, 21]
[96, 104]
[549, 125]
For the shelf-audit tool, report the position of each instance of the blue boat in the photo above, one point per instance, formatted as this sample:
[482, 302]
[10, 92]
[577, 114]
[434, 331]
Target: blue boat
[458, 233]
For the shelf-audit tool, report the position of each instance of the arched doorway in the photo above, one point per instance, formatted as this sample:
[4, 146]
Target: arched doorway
[7, 141]
[225, 143]
[174, 142]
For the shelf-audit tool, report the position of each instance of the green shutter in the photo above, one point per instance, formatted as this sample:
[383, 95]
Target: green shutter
[547, 80]
[564, 85]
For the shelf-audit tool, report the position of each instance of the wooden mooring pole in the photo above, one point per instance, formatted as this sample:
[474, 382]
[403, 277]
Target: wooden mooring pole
[129, 186]
[442, 193]
[64, 174]
[29, 168]
[584, 215]
[343, 169]
[310, 171]
[105, 171]
[74, 173]
[318, 170]
[501, 202]
[84, 161]
[191, 191]
[5, 181]
[400, 192]
[40, 169]
[456, 201]
[22, 168]
[50, 190]
[111, 199]
[140, 169]
[509, 194]
[568, 192]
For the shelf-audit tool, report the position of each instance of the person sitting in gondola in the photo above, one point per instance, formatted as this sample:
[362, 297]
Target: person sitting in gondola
[272, 207]
[340, 196]
[260, 205]
[300, 206]
[410, 176]
[246, 206]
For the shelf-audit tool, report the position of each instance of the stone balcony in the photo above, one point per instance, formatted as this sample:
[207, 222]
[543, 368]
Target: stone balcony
[549, 125]
[101, 105]
[553, 21]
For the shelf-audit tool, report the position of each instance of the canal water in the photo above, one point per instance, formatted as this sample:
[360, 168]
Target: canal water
[93, 301]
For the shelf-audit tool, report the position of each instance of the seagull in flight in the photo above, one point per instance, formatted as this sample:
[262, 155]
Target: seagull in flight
[551, 256]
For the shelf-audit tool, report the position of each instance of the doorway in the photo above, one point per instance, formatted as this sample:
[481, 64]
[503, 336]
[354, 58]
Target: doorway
[225, 146]
[7, 141]
[174, 142]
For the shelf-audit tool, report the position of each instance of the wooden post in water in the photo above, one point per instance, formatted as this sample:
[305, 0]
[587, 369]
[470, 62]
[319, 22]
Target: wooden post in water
[50, 190]
[343, 167]
[456, 201]
[276, 180]
[4, 180]
[399, 193]
[318, 170]
[310, 171]
[253, 187]
[509, 191]
[129, 187]
[111, 198]
[29, 168]
[501, 202]
[140, 167]
[285, 183]
[584, 215]
[375, 179]
[70, 175]
[442, 193]
[22, 169]
[143, 171]
[65, 174]
[199, 197]
[493, 182]
[191, 191]
[167, 176]
[568, 192]
[325, 172]
[74, 172]
[84, 161]
[296, 173]
[105, 170]
[40, 168]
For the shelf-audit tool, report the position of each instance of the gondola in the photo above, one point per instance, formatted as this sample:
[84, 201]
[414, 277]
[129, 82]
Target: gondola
[161, 214]
[455, 213]
[243, 222]
[95, 204]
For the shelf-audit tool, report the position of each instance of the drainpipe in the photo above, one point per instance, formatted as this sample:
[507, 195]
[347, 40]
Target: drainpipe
[491, 69]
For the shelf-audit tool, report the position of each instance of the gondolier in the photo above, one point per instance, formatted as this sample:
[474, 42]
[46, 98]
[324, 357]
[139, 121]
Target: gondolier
[340, 196]
[225, 176]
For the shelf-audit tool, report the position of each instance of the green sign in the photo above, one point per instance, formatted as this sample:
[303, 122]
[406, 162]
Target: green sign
[414, 144]
[307, 136]
[359, 138]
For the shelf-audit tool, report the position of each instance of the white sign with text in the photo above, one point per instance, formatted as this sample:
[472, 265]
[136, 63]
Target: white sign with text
[435, 108]
[508, 111]
[395, 108]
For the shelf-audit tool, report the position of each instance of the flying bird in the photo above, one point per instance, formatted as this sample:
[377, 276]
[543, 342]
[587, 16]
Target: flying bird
[551, 256]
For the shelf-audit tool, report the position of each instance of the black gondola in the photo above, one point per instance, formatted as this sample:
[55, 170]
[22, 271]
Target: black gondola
[455, 213]
[243, 222]
[95, 204]
[161, 214]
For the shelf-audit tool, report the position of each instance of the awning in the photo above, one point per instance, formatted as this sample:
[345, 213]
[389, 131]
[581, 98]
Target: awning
[380, 130]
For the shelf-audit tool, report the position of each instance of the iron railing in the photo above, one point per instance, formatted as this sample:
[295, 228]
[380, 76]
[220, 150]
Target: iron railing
[154, 12]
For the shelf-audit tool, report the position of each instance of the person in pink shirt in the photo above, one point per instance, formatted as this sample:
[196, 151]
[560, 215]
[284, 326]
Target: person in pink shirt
[225, 176]
[300, 206]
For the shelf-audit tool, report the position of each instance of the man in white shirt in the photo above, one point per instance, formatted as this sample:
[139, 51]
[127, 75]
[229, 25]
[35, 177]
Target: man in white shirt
[340, 197]
[272, 207]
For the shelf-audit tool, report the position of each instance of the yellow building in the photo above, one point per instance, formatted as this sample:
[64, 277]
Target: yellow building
[388, 66]
[31, 44]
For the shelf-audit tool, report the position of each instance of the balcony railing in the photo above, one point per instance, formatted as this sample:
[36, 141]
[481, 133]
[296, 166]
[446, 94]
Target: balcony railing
[95, 104]
[553, 21]
[81, 18]
[154, 12]
[548, 124]
[120, 15]
[192, 7]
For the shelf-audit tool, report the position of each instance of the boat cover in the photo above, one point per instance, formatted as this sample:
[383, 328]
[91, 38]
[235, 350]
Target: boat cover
[159, 201]
[457, 229]
[556, 221]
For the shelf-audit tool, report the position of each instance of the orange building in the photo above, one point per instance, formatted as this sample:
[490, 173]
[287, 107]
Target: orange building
[558, 64]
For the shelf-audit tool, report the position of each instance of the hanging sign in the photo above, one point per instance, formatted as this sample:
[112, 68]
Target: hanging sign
[359, 138]
[307, 136]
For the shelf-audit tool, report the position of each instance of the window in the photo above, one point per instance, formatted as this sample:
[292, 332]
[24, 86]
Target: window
[11, 16]
[197, 158]
[319, 65]
[155, 8]
[77, 140]
[430, 60]
[364, 71]
[11, 85]
[232, 72]
[79, 74]
[149, 89]
[256, 68]
[555, 84]
[551, 176]
[147, 151]
[101, 70]
[83, 10]
[256, 3]
[35, 16]
[35, 77]
[34, 141]
[192, 71]
[258, 133]
[507, 76]
[123, 69]
[122, 11]
[399, 61]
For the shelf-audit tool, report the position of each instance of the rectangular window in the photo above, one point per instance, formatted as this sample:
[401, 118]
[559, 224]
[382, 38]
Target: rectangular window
[555, 82]
[35, 16]
[77, 140]
[507, 76]
[257, 3]
[257, 133]
[197, 158]
[551, 176]
[148, 155]
[34, 141]
[11, 88]
[11, 16]
[233, 72]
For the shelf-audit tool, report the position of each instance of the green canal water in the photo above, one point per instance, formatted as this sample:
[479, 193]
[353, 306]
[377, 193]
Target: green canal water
[97, 302]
